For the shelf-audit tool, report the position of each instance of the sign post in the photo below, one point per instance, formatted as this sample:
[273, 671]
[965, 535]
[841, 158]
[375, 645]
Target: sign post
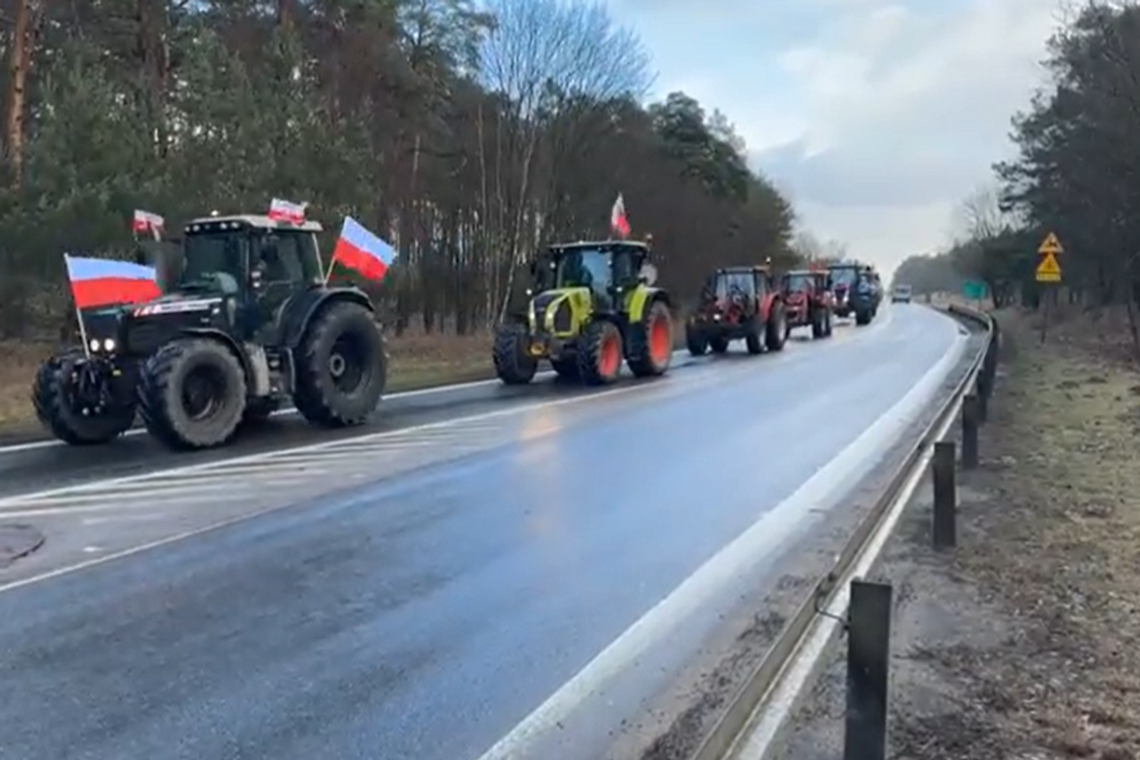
[1048, 272]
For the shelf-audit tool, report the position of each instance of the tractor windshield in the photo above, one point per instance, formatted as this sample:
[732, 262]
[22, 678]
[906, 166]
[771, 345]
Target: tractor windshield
[794, 281]
[724, 284]
[845, 276]
[213, 262]
[583, 268]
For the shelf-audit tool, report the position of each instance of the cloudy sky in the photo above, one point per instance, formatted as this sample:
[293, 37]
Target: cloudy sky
[876, 117]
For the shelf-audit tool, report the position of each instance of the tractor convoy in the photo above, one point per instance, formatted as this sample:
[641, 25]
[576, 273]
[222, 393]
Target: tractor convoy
[243, 322]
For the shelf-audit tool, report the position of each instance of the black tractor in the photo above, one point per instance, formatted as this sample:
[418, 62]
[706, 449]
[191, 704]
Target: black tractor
[246, 323]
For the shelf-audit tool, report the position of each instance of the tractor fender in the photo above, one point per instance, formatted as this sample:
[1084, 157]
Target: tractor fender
[298, 312]
[642, 298]
[227, 340]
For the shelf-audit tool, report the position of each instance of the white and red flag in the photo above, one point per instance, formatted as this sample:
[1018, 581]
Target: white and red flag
[618, 221]
[145, 221]
[287, 211]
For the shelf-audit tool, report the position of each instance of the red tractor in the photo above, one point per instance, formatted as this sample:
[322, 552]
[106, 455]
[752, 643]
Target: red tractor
[809, 301]
[738, 303]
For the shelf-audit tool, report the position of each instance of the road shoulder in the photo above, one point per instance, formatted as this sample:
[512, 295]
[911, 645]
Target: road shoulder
[1022, 642]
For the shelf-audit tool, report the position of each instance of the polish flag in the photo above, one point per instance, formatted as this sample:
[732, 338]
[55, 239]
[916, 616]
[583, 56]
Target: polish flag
[287, 211]
[145, 221]
[618, 221]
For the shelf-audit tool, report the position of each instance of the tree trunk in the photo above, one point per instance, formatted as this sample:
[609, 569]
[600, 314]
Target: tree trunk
[29, 13]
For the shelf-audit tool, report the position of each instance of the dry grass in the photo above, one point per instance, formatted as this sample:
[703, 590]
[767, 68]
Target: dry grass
[417, 361]
[1058, 547]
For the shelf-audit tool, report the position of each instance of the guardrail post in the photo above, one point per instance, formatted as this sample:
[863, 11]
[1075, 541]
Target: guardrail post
[971, 417]
[945, 495]
[868, 662]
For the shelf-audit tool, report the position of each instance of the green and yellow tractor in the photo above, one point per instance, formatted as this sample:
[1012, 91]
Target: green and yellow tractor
[590, 305]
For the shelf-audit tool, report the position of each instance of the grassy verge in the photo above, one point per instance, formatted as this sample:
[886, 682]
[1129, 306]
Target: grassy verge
[417, 361]
[1050, 542]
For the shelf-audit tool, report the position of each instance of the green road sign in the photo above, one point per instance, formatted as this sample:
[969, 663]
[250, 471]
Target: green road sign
[974, 290]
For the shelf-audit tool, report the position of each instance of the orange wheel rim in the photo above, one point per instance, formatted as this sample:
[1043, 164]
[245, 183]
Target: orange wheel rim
[660, 341]
[609, 356]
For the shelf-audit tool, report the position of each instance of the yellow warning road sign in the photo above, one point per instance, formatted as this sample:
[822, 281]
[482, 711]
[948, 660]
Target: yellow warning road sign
[1049, 270]
[1050, 246]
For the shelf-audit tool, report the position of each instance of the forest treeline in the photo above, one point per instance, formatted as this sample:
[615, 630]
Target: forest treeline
[1076, 174]
[466, 134]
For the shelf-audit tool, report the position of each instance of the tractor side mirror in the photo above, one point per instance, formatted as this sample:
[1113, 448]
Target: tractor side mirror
[648, 274]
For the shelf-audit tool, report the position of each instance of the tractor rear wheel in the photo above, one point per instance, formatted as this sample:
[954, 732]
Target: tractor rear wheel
[567, 368]
[58, 411]
[776, 329]
[754, 340]
[342, 367]
[192, 394]
[600, 353]
[652, 351]
[513, 364]
[818, 324]
[696, 341]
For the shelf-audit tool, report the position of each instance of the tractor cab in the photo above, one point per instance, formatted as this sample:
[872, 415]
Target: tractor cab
[230, 273]
[605, 270]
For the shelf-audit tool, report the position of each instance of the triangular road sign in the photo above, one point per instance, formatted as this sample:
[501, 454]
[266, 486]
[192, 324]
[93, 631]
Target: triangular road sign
[1049, 270]
[1050, 246]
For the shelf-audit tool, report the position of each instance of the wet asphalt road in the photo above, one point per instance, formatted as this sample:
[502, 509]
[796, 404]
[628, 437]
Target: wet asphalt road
[428, 613]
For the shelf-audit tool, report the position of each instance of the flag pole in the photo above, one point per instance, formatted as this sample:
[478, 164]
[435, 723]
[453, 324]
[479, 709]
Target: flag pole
[78, 311]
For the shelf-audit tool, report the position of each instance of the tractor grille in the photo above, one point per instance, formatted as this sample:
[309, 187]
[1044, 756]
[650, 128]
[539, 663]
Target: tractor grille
[562, 318]
[143, 337]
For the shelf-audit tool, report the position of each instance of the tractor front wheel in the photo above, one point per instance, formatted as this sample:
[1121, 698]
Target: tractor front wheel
[513, 364]
[567, 368]
[599, 357]
[192, 394]
[653, 350]
[754, 340]
[696, 341]
[60, 411]
[719, 344]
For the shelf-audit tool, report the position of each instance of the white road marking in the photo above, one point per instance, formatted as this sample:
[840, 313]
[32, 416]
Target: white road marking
[735, 559]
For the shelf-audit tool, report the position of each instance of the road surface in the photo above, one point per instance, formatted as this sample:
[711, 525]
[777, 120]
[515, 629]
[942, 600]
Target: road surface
[494, 579]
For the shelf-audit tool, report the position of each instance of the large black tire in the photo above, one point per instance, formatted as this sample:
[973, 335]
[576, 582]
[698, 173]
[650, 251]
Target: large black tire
[342, 367]
[862, 318]
[512, 363]
[566, 369]
[651, 351]
[51, 397]
[600, 353]
[192, 394]
[754, 340]
[776, 328]
[718, 344]
[696, 341]
[818, 324]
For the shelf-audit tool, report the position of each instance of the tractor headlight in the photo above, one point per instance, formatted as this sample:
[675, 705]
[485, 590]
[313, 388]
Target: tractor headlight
[109, 344]
[95, 345]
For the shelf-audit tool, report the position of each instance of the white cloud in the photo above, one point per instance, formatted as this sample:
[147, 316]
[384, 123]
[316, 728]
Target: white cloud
[879, 116]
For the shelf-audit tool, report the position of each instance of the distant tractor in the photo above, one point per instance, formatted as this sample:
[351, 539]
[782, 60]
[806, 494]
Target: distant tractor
[590, 305]
[738, 303]
[857, 290]
[809, 301]
[245, 324]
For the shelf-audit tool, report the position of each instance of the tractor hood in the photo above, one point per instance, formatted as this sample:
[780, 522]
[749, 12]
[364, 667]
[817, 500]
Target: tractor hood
[554, 311]
[177, 303]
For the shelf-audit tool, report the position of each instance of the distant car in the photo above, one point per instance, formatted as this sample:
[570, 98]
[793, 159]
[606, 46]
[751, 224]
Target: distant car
[901, 294]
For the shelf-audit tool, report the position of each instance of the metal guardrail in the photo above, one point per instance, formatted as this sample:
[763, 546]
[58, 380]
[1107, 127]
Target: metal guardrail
[763, 679]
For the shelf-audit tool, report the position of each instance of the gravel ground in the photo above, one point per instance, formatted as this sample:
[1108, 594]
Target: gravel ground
[1022, 643]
